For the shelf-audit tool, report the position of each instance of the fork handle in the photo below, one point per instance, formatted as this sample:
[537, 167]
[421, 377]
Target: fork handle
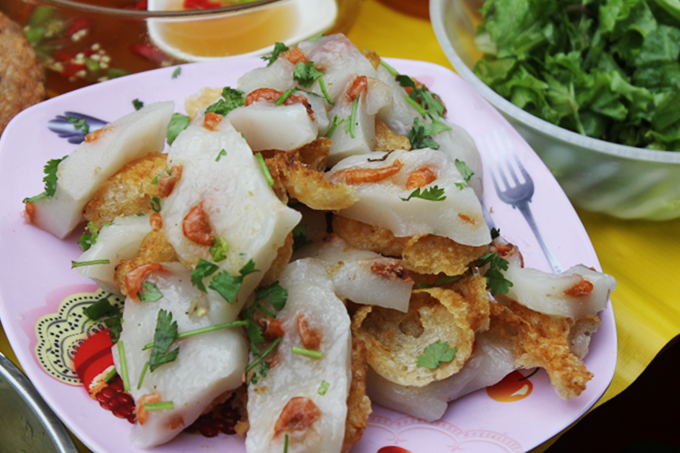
[523, 207]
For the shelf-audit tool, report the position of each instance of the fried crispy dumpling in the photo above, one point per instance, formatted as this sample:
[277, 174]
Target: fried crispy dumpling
[395, 340]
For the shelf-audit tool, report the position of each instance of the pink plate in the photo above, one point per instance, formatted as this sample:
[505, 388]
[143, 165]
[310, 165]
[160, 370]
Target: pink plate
[35, 274]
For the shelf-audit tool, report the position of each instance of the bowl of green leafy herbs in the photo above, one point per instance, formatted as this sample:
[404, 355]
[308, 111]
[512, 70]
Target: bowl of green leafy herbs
[592, 85]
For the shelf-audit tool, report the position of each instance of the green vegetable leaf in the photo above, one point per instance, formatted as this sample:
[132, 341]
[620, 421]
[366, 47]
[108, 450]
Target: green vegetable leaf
[176, 73]
[306, 74]
[155, 204]
[50, 178]
[300, 236]
[230, 100]
[178, 123]
[496, 282]
[150, 293]
[435, 354]
[137, 104]
[100, 309]
[228, 285]
[221, 154]
[89, 237]
[279, 47]
[421, 136]
[464, 170]
[276, 294]
[115, 326]
[203, 269]
[165, 334]
[433, 193]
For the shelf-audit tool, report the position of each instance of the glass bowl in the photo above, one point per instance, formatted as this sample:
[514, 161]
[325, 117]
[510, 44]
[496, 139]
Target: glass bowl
[88, 41]
[623, 181]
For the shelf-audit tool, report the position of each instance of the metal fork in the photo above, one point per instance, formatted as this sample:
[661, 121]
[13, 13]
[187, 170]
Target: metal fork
[514, 192]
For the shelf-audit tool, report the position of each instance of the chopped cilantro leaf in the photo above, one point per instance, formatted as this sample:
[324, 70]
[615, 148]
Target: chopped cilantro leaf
[50, 180]
[435, 354]
[405, 81]
[100, 309]
[221, 154]
[89, 237]
[421, 134]
[79, 124]
[230, 100]
[165, 334]
[279, 47]
[150, 293]
[203, 269]
[276, 294]
[461, 185]
[219, 248]
[464, 170]
[176, 72]
[434, 193]
[137, 104]
[306, 74]
[254, 333]
[115, 326]
[496, 282]
[315, 37]
[155, 204]
[228, 285]
[495, 233]
[178, 123]
[300, 236]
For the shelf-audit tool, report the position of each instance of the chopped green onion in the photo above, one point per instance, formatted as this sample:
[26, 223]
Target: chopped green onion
[219, 249]
[111, 375]
[266, 352]
[191, 333]
[389, 68]
[176, 72]
[221, 153]
[155, 204]
[308, 352]
[286, 94]
[88, 263]
[160, 406]
[352, 117]
[285, 444]
[141, 376]
[123, 366]
[322, 84]
[265, 169]
[154, 181]
[334, 126]
[323, 388]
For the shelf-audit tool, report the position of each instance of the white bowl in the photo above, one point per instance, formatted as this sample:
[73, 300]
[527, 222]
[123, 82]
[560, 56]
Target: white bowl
[626, 182]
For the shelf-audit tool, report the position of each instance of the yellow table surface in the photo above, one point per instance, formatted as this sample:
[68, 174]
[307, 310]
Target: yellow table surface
[641, 255]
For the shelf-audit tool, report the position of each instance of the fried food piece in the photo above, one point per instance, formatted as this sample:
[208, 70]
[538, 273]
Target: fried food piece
[308, 185]
[431, 254]
[581, 333]
[128, 192]
[155, 248]
[426, 254]
[280, 262]
[315, 154]
[201, 100]
[368, 237]
[538, 340]
[388, 140]
[22, 78]
[395, 339]
[358, 404]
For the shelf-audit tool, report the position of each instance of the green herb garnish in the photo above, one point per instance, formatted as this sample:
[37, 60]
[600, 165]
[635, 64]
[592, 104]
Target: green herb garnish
[300, 236]
[228, 285]
[137, 104]
[435, 354]
[219, 249]
[50, 180]
[89, 237]
[496, 282]
[155, 204]
[464, 170]
[178, 123]
[155, 179]
[323, 388]
[165, 334]
[159, 406]
[265, 169]
[221, 154]
[334, 125]
[150, 293]
[307, 352]
[279, 47]
[79, 123]
[433, 193]
[75, 264]
[203, 269]
[123, 366]
[230, 100]
[349, 127]
[176, 72]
